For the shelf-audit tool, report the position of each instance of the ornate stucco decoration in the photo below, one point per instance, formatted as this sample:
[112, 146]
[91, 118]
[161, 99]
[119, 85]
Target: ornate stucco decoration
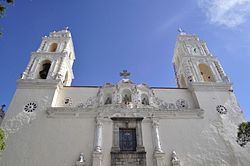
[127, 99]
[129, 96]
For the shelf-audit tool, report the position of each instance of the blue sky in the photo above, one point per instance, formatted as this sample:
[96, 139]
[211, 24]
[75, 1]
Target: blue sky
[138, 35]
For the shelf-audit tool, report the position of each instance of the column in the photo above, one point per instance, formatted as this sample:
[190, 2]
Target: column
[97, 154]
[98, 138]
[139, 147]
[158, 152]
[157, 143]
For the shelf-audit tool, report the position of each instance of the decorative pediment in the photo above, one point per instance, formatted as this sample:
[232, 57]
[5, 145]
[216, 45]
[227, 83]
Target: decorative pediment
[126, 95]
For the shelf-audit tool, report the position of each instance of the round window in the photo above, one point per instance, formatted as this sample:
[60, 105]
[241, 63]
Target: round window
[30, 107]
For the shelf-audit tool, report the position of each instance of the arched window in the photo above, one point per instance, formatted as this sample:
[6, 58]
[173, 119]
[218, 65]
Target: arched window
[144, 99]
[70, 55]
[53, 47]
[206, 73]
[183, 83]
[44, 69]
[126, 96]
[108, 99]
[66, 78]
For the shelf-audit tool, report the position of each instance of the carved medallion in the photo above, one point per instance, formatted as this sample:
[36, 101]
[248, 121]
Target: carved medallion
[181, 104]
[68, 101]
[221, 109]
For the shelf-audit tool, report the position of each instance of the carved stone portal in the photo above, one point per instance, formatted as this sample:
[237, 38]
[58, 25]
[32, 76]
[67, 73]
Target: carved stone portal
[127, 146]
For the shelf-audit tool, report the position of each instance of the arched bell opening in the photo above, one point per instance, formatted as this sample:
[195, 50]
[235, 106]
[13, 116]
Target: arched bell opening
[206, 73]
[53, 47]
[66, 78]
[44, 69]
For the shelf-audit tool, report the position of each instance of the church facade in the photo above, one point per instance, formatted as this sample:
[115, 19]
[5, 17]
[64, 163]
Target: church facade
[49, 122]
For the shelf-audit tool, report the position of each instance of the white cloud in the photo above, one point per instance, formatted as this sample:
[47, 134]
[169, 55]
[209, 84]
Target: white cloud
[230, 13]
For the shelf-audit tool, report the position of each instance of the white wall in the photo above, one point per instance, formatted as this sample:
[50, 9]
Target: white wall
[59, 140]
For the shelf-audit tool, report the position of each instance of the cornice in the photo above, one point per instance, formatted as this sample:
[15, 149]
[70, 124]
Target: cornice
[210, 86]
[38, 84]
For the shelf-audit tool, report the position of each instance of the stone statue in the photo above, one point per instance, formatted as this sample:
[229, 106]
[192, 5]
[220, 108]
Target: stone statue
[126, 99]
[175, 161]
[145, 101]
[81, 161]
[108, 100]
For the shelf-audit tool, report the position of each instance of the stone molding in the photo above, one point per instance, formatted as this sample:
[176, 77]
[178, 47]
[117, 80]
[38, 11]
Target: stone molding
[97, 159]
[67, 112]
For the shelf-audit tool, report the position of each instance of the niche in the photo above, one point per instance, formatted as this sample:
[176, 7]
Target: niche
[144, 99]
[126, 96]
[108, 99]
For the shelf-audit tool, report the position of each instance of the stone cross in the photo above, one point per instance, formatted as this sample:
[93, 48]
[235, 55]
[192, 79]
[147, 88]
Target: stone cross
[125, 74]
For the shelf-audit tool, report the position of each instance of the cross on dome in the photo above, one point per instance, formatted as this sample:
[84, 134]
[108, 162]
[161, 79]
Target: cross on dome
[125, 74]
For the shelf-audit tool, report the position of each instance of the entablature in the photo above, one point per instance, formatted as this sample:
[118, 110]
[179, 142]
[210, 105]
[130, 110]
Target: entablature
[66, 112]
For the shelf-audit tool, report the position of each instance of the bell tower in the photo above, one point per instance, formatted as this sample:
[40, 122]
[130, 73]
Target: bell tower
[53, 60]
[194, 64]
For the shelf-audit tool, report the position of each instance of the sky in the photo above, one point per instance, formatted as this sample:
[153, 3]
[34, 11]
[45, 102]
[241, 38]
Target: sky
[137, 35]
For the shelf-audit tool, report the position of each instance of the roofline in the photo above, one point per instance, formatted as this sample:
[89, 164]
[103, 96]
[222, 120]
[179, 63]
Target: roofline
[94, 86]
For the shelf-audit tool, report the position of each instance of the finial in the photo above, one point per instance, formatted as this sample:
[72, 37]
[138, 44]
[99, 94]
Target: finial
[66, 28]
[175, 160]
[181, 31]
[2, 107]
[125, 74]
[81, 161]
